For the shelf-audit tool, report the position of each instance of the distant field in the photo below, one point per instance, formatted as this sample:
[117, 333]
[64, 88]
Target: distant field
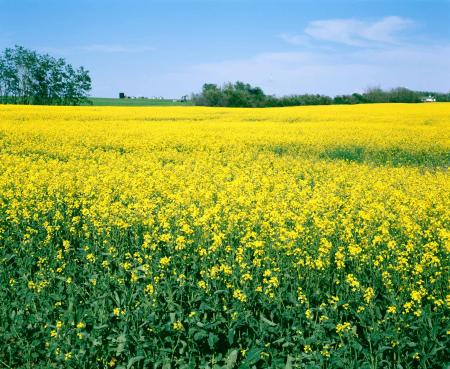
[105, 101]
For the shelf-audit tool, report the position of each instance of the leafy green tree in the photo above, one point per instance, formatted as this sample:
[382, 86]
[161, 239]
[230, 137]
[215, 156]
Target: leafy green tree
[27, 77]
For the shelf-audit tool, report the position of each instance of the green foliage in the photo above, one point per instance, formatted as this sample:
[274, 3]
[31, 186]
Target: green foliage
[395, 95]
[244, 95]
[27, 77]
[237, 94]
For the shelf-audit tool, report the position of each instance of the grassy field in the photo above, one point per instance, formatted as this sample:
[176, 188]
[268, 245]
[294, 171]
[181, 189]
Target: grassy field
[105, 101]
[190, 237]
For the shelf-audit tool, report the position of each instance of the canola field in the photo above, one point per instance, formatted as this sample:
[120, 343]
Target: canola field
[189, 237]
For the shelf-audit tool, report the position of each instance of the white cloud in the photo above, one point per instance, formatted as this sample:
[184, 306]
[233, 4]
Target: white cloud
[98, 48]
[417, 67]
[352, 32]
[294, 39]
[116, 48]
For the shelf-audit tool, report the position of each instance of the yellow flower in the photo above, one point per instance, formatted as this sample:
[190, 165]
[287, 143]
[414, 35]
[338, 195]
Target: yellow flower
[416, 296]
[81, 325]
[66, 245]
[134, 277]
[149, 289]
[353, 282]
[178, 326]
[343, 327]
[391, 309]
[301, 297]
[164, 262]
[90, 257]
[407, 306]
[112, 362]
[369, 293]
[239, 295]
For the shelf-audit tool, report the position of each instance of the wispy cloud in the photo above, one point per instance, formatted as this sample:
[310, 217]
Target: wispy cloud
[116, 48]
[352, 31]
[294, 39]
[98, 48]
[318, 71]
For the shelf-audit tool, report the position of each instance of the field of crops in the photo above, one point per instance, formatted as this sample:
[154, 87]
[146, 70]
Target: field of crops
[105, 101]
[188, 237]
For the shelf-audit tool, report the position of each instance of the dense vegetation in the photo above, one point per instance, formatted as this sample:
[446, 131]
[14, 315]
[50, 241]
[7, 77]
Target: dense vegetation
[214, 238]
[27, 77]
[241, 94]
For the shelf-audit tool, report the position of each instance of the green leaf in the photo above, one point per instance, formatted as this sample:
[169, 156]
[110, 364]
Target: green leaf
[267, 321]
[212, 340]
[134, 360]
[289, 362]
[253, 356]
[231, 360]
[199, 335]
[230, 336]
[121, 340]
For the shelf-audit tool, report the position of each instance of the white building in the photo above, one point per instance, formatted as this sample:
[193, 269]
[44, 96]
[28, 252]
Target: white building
[429, 99]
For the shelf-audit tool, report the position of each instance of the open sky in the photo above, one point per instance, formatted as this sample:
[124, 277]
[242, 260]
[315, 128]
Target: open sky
[171, 47]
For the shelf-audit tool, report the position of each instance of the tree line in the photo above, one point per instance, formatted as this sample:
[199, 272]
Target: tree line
[241, 94]
[27, 77]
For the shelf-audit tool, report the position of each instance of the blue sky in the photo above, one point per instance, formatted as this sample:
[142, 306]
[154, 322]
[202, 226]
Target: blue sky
[171, 47]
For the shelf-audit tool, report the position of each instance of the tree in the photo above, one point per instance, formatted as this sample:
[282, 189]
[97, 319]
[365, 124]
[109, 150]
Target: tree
[27, 77]
[403, 95]
[212, 94]
[375, 95]
[240, 94]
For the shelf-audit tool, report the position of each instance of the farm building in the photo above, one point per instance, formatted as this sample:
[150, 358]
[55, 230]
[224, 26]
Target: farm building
[429, 99]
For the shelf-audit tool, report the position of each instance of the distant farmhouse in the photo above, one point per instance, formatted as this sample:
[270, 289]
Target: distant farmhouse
[429, 98]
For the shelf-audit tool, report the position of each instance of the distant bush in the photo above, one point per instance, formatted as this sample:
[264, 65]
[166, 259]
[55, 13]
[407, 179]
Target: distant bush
[237, 94]
[27, 77]
[241, 94]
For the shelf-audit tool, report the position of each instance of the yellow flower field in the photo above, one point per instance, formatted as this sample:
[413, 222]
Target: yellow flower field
[185, 237]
